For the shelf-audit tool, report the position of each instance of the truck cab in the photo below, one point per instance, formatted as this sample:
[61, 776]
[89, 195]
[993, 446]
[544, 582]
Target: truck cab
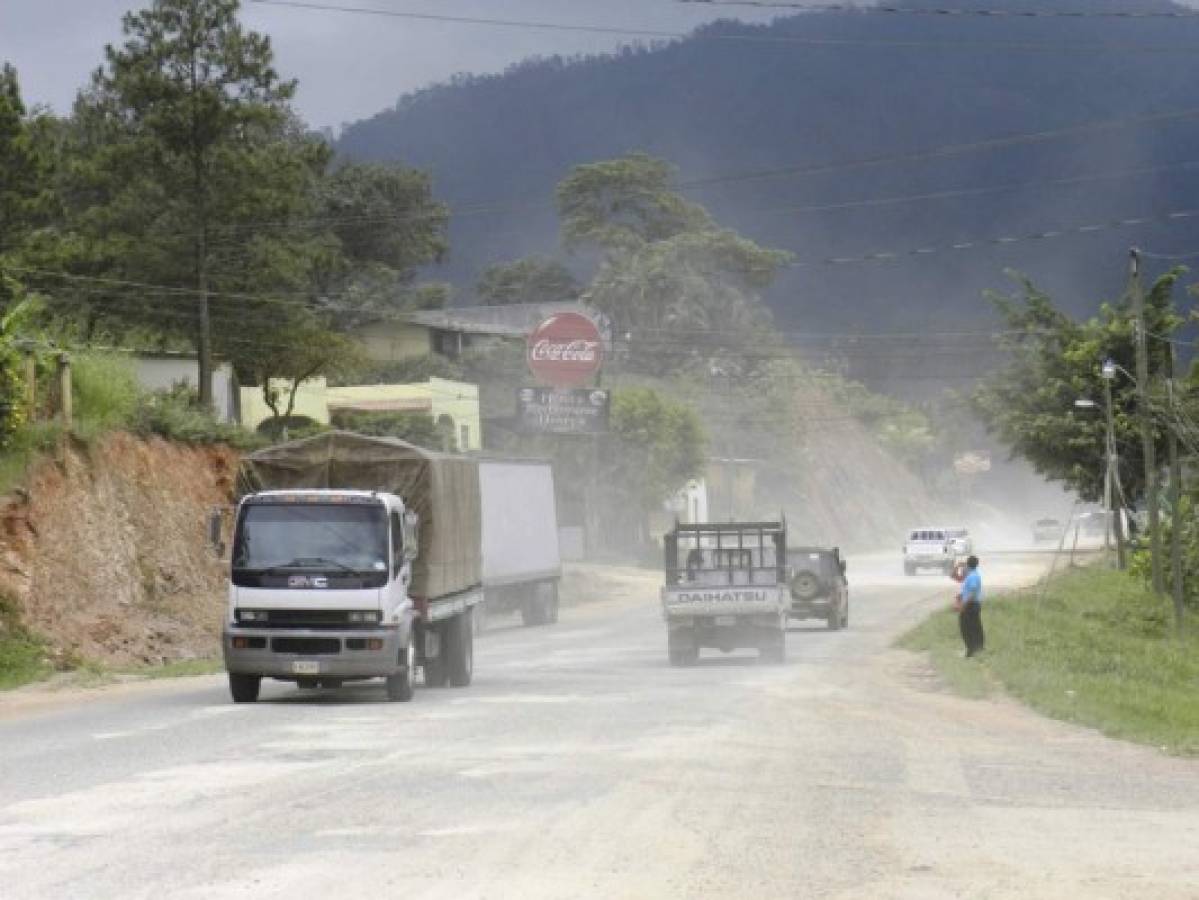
[318, 591]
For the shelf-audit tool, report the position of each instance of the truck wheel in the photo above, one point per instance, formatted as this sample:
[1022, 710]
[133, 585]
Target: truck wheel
[773, 649]
[681, 650]
[909, 569]
[552, 599]
[244, 688]
[478, 619]
[845, 616]
[436, 672]
[834, 619]
[532, 612]
[460, 646]
[399, 685]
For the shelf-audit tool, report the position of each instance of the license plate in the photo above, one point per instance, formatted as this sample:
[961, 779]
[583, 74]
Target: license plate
[725, 621]
[306, 667]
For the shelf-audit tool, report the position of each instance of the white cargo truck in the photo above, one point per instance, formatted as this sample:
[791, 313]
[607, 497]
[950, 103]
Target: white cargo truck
[353, 558]
[522, 565]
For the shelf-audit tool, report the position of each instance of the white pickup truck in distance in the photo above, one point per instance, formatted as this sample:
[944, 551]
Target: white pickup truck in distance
[726, 587]
[929, 548]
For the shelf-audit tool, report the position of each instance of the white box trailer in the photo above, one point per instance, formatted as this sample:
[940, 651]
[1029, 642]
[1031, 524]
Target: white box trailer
[522, 562]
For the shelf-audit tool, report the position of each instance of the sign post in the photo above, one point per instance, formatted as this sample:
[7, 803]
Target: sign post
[565, 353]
[542, 410]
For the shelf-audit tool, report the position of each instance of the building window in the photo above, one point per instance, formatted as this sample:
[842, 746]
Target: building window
[465, 437]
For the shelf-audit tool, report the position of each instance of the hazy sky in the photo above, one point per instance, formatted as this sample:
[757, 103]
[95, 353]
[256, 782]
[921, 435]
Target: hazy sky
[349, 66]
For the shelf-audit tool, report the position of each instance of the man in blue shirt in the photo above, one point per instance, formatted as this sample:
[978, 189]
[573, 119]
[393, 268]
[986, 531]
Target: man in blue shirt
[970, 611]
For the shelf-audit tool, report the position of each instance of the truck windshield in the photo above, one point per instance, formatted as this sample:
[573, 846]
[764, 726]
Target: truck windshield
[327, 537]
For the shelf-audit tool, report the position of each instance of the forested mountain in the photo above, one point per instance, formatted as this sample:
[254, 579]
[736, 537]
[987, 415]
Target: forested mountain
[825, 90]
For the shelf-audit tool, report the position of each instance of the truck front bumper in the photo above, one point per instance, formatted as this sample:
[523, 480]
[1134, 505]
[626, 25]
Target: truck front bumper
[817, 608]
[321, 655]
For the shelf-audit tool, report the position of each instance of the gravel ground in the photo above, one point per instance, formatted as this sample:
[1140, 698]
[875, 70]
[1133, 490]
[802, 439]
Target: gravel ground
[581, 765]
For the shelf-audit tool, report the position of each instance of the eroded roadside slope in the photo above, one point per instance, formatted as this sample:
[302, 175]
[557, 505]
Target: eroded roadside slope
[103, 554]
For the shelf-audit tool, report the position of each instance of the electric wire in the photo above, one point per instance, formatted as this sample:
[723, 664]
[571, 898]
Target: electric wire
[749, 37]
[948, 12]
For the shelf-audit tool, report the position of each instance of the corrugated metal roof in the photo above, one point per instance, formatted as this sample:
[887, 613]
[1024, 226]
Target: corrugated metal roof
[512, 320]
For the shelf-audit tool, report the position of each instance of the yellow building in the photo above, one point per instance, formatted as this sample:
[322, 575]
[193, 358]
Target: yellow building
[311, 403]
[452, 404]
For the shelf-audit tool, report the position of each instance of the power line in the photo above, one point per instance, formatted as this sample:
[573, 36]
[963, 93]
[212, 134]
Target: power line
[960, 193]
[1001, 241]
[948, 12]
[948, 150]
[742, 37]
[1170, 257]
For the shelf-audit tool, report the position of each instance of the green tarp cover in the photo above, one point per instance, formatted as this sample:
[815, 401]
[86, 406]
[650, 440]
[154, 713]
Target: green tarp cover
[442, 489]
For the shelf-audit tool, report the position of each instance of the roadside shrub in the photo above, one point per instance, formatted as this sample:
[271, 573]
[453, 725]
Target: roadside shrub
[177, 416]
[291, 428]
[23, 656]
[106, 391]
[26, 444]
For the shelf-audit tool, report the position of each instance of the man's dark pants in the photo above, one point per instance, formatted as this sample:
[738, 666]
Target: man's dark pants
[970, 620]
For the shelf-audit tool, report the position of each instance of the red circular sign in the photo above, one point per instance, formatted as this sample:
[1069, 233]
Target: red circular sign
[566, 350]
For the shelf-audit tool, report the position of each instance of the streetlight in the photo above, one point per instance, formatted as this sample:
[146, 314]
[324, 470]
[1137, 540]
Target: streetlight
[1108, 372]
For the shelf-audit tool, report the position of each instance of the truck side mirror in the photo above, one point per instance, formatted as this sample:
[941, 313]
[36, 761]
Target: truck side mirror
[411, 535]
[215, 532]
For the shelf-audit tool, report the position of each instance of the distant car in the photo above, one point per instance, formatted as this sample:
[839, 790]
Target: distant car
[928, 548]
[1046, 531]
[959, 538]
[819, 588]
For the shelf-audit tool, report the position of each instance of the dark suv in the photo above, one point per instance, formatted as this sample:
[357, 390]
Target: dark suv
[819, 589]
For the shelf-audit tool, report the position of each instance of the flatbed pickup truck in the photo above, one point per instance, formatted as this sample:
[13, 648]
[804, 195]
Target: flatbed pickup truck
[726, 587]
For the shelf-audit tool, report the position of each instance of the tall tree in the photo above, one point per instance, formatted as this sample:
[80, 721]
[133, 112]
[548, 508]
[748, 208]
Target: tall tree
[682, 288]
[202, 118]
[1055, 361]
[383, 223]
[27, 198]
[531, 280]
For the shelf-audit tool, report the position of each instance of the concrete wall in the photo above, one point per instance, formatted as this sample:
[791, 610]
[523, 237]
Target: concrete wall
[161, 373]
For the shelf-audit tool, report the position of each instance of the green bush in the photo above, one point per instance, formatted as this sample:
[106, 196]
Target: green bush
[292, 428]
[106, 392]
[177, 416]
[22, 654]
[26, 444]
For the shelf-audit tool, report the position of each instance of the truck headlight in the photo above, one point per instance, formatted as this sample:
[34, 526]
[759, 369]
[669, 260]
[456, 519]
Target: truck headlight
[252, 615]
[363, 617]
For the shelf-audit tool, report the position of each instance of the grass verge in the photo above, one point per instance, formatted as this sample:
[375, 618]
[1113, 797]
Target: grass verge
[23, 656]
[1090, 646]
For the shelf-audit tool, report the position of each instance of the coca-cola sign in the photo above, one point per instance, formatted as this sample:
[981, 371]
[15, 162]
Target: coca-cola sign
[566, 350]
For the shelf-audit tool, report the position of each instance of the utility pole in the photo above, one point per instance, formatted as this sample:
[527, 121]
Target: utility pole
[1146, 417]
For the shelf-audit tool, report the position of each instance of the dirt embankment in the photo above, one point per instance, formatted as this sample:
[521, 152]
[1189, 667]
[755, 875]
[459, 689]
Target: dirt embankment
[852, 491]
[104, 553]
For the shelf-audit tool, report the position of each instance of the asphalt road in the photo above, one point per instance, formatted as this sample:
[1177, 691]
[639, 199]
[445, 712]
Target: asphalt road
[580, 765]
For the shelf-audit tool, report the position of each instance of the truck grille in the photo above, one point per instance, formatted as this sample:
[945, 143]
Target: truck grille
[306, 618]
[305, 645]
